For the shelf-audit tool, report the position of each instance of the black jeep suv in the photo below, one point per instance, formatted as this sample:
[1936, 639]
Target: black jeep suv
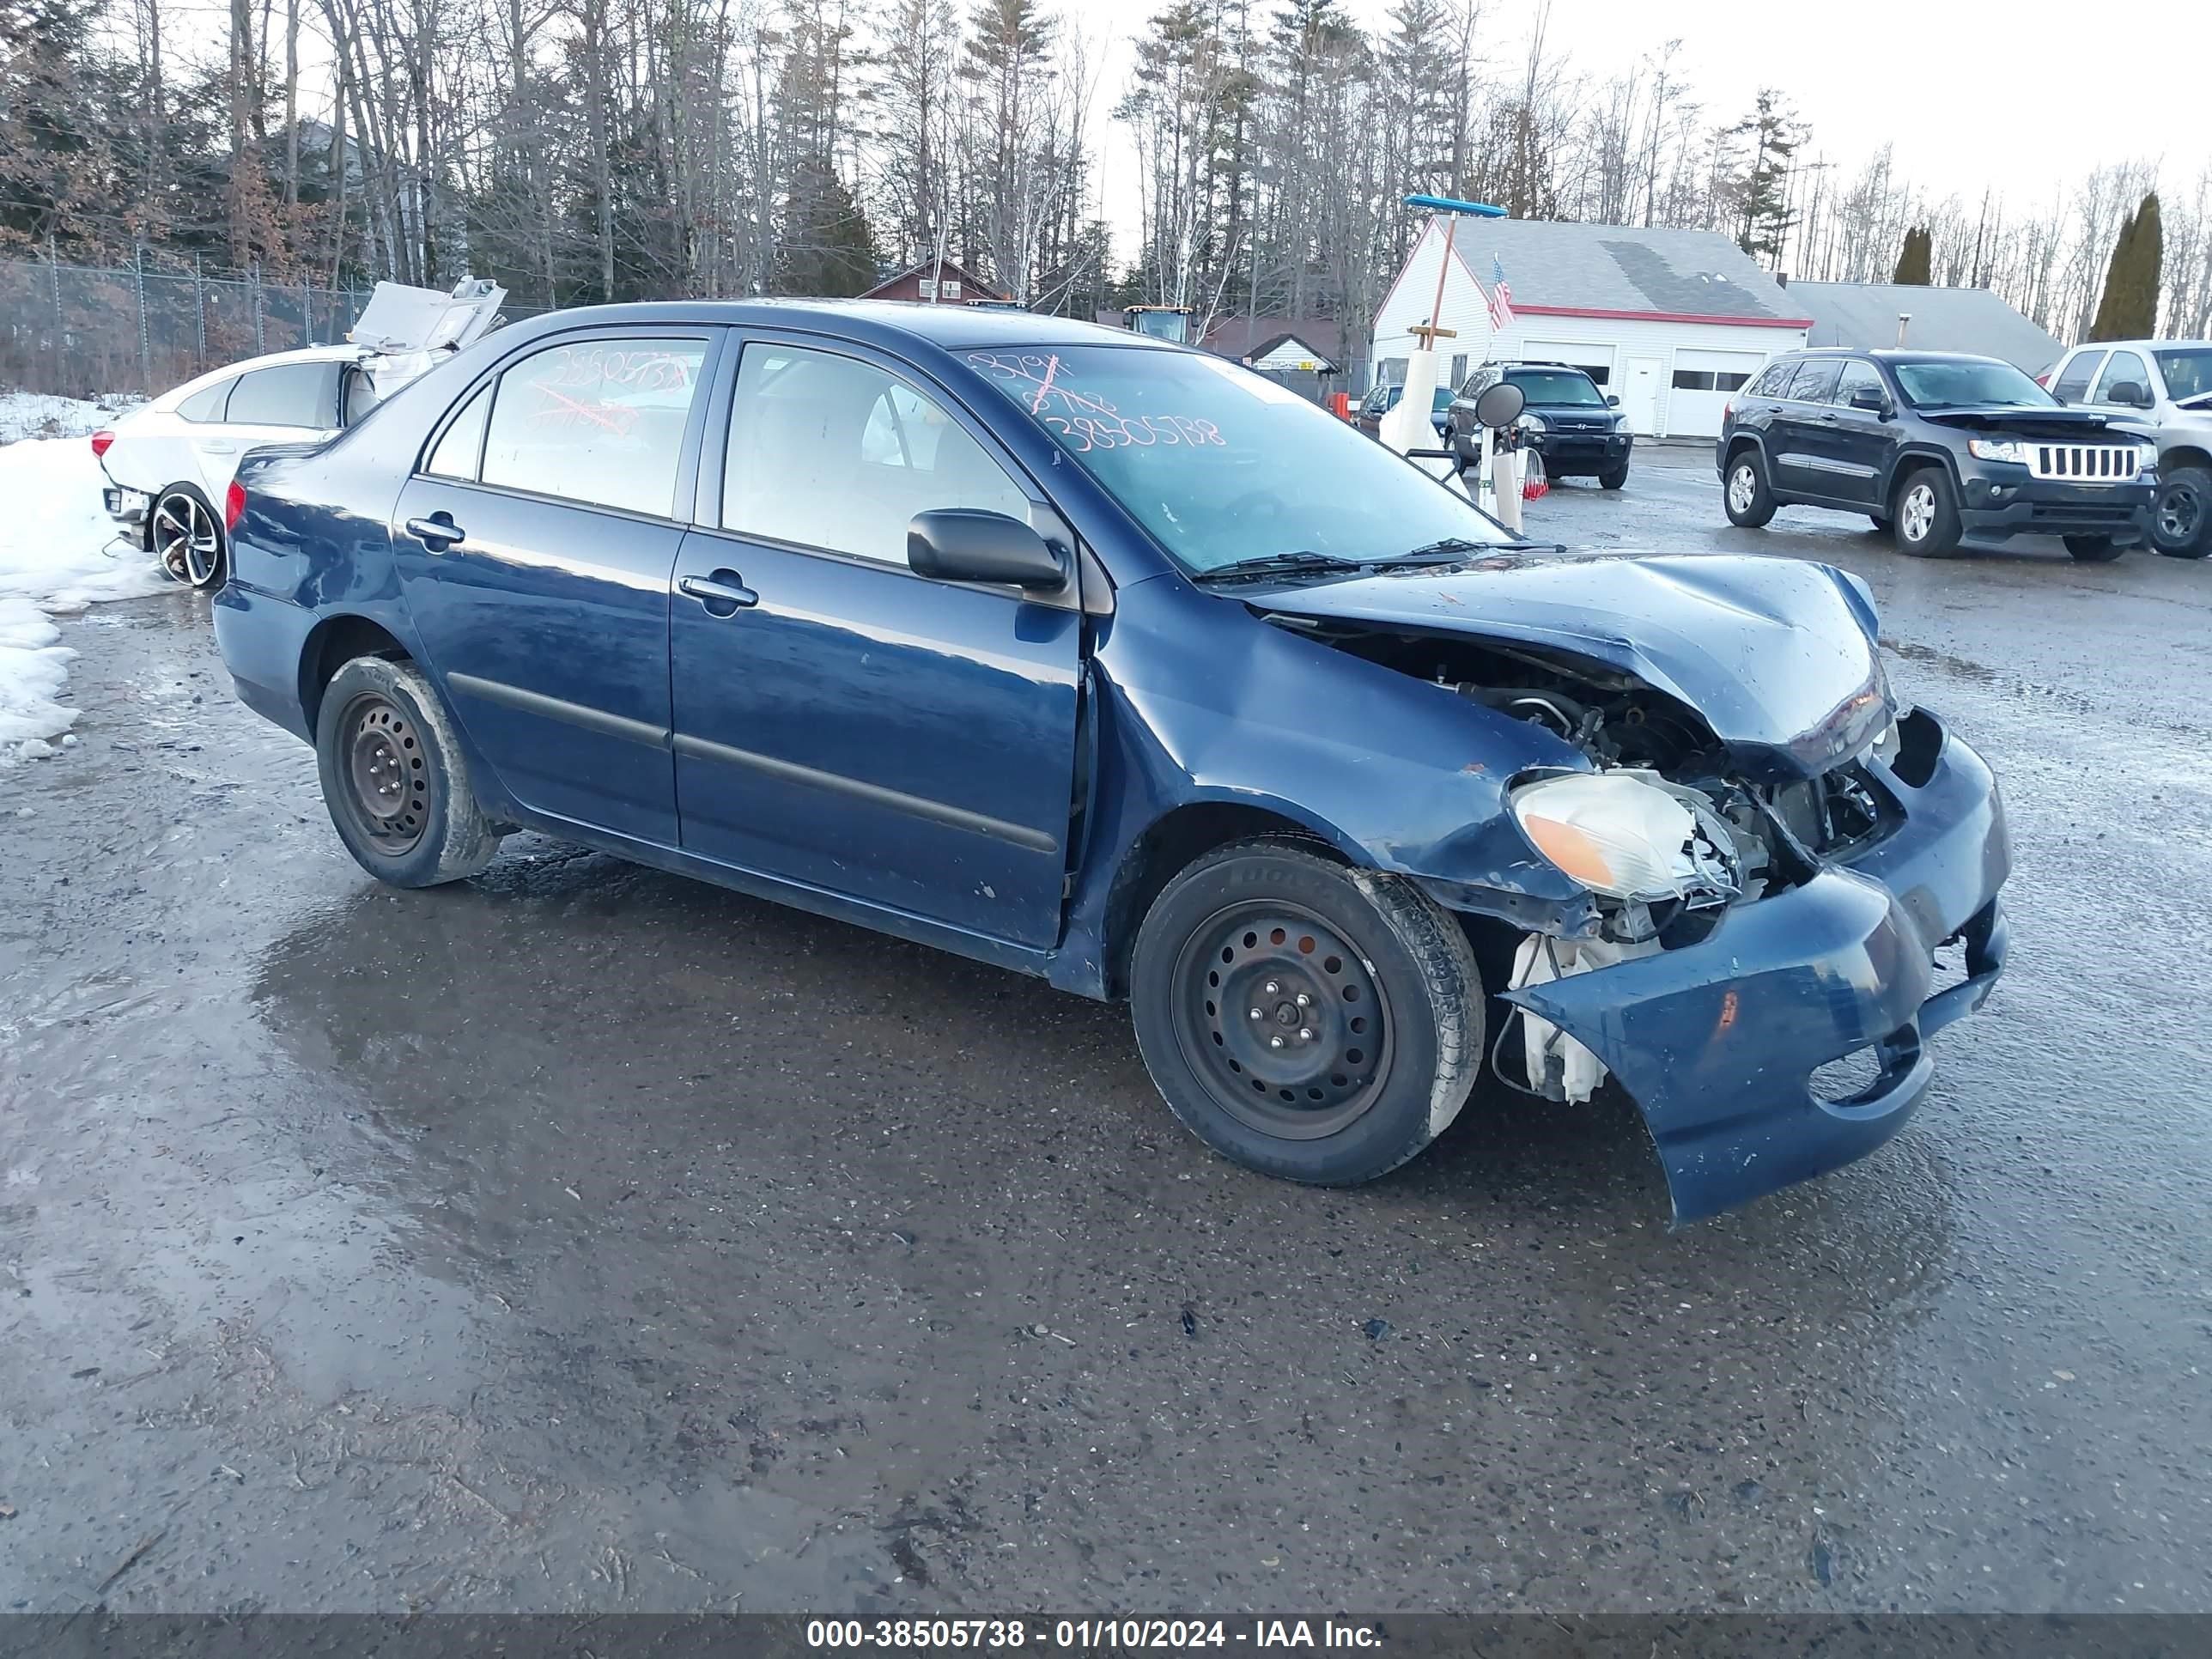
[1933, 446]
[1577, 429]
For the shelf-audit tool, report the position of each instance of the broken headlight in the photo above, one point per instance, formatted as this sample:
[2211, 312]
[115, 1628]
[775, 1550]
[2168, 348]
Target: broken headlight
[1628, 835]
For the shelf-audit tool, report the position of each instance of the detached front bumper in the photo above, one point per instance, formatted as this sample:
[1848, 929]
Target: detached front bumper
[1718, 1042]
[2004, 501]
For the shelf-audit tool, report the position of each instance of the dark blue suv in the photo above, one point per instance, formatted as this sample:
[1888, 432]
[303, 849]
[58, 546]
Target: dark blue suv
[1935, 446]
[1578, 430]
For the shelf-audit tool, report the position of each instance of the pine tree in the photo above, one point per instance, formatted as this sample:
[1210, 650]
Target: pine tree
[1914, 263]
[2129, 310]
[1767, 218]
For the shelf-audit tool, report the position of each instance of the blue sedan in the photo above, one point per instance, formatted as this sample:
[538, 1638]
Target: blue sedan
[1110, 661]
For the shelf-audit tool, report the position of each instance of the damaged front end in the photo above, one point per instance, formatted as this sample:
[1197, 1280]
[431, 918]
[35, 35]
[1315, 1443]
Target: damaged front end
[1771, 882]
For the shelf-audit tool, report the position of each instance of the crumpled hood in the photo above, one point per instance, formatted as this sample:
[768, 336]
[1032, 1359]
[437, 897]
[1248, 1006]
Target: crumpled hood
[1777, 655]
[2033, 420]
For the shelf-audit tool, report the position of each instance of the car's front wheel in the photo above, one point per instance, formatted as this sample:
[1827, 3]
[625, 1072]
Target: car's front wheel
[1746, 494]
[395, 778]
[1926, 513]
[2181, 519]
[2093, 549]
[1311, 1022]
[185, 536]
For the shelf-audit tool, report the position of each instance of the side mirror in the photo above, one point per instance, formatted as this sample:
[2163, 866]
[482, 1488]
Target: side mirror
[1500, 405]
[962, 544]
[2127, 394]
[1612, 400]
[1871, 399]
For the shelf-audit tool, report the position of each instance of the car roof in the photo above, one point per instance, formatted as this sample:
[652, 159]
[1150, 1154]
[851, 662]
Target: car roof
[947, 327]
[1893, 354]
[2144, 345]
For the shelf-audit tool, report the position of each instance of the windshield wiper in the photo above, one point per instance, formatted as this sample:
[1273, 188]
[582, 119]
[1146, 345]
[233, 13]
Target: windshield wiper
[1279, 564]
[1449, 549]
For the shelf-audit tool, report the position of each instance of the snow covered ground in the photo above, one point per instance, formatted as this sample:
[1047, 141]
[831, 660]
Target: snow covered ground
[41, 415]
[56, 557]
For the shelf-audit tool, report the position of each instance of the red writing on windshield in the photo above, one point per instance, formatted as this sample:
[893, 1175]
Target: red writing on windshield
[1041, 382]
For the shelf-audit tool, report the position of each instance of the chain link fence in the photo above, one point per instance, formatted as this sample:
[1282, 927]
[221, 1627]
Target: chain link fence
[82, 331]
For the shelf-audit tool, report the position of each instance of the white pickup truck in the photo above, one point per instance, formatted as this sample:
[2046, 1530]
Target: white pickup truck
[2165, 385]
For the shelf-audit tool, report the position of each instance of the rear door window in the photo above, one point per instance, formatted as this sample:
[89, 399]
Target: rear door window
[1815, 380]
[599, 421]
[1772, 379]
[2072, 382]
[286, 394]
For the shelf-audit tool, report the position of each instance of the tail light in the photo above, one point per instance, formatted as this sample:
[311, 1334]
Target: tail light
[1728, 411]
[233, 505]
[101, 441]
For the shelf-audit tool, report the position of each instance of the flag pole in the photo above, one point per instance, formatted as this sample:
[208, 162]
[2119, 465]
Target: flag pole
[1407, 426]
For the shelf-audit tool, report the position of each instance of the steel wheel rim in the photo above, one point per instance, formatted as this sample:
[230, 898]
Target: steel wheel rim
[381, 760]
[185, 545]
[2180, 513]
[1919, 511]
[1300, 1070]
[1741, 486]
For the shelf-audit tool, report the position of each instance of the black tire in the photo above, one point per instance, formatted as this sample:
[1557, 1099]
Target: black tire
[2181, 517]
[1746, 495]
[1924, 509]
[2093, 549]
[184, 533]
[1613, 478]
[1882, 522]
[395, 778]
[1362, 1075]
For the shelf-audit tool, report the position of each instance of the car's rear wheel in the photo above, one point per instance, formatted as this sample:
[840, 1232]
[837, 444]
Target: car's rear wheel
[185, 536]
[2093, 549]
[1747, 496]
[2181, 518]
[395, 779]
[1926, 511]
[1613, 476]
[1308, 1021]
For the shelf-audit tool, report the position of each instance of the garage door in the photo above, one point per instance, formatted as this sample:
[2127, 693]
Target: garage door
[1703, 382]
[1594, 360]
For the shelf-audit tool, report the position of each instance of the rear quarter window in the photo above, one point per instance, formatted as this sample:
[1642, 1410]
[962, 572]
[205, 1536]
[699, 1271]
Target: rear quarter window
[206, 404]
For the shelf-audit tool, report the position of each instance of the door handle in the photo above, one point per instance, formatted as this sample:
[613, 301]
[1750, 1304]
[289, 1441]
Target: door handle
[437, 532]
[216, 448]
[724, 593]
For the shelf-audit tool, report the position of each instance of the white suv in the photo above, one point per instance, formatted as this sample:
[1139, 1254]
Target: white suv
[2167, 385]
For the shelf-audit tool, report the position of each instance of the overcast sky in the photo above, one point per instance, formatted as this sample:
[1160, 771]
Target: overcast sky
[2022, 96]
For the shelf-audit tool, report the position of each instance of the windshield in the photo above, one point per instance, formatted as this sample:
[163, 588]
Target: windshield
[1555, 386]
[1220, 464]
[2187, 373]
[1961, 385]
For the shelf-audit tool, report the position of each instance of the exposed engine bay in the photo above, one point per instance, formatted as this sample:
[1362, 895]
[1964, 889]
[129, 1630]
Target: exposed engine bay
[1667, 832]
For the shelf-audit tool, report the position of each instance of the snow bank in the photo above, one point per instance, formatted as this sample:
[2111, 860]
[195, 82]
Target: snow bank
[55, 557]
[40, 414]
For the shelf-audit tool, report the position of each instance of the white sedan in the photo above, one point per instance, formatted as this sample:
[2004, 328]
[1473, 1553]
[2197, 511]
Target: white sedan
[169, 463]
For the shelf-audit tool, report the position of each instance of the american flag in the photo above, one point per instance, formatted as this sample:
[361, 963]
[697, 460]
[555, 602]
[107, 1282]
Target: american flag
[1501, 297]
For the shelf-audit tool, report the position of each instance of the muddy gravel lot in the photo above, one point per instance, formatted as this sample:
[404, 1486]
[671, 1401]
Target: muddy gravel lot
[584, 1238]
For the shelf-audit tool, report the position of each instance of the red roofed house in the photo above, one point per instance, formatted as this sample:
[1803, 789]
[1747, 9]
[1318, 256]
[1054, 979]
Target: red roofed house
[933, 281]
[1671, 322]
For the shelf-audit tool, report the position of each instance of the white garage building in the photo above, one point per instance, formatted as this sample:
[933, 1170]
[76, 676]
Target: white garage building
[1669, 321]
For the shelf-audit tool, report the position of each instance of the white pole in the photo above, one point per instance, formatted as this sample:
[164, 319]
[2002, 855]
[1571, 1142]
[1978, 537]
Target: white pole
[1485, 474]
[1508, 511]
